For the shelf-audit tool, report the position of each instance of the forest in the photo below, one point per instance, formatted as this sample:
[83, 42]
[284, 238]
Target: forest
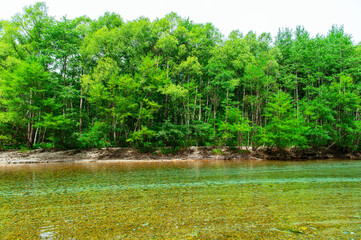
[171, 82]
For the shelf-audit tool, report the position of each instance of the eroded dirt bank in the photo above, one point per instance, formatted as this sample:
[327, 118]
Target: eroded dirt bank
[192, 153]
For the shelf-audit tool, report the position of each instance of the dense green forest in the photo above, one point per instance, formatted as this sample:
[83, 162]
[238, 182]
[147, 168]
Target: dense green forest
[79, 83]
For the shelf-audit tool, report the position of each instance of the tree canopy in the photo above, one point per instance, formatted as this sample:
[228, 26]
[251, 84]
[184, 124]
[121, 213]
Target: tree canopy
[172, 82]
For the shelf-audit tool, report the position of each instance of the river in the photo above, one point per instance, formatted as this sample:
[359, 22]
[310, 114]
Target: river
[182, 200]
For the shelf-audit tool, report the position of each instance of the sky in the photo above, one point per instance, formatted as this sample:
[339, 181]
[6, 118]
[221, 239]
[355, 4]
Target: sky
[317, 16]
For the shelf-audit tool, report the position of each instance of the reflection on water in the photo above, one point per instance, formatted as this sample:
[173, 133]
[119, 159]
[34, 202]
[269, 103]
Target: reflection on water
[190, 199]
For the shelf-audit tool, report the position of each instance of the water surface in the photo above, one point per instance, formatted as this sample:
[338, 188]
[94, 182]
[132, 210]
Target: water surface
[184, 200]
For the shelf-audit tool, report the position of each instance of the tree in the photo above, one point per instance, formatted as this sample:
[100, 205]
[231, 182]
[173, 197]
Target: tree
[233, 132]
[283, 129]
[25, 88]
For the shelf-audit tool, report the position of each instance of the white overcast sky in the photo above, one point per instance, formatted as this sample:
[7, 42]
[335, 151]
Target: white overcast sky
[317, 16]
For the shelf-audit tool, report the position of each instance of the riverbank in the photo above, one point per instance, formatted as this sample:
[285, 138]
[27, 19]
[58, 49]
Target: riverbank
[192, 153]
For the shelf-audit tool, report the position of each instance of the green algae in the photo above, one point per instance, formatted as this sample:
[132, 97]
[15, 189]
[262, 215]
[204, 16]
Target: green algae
[186, 200]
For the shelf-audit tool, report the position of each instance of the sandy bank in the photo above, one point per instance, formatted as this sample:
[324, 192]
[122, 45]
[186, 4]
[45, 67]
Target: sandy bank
[192, 153]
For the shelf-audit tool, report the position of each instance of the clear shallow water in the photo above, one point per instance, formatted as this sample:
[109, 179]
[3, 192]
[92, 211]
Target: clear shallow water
[212, 200]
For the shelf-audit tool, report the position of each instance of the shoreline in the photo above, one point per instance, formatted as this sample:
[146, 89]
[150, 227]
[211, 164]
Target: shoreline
[39, 156]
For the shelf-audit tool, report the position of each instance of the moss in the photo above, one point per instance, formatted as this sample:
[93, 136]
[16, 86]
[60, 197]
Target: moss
[217, 151]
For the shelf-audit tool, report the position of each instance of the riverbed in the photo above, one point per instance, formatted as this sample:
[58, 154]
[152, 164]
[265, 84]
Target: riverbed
[182, 200]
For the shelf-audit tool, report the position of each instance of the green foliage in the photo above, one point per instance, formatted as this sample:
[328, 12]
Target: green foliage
[232, 132]
[217, 151]
[142, 138]
[284, 128]
[94, 137]
[6, 141]
[172, 82]
[171, 134]
[203, 133]
[43, 145]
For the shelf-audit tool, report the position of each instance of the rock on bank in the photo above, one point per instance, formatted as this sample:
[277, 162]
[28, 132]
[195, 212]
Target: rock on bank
[191, 153]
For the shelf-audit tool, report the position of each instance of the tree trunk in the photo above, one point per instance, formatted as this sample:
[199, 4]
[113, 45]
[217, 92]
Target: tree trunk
[80, 110]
